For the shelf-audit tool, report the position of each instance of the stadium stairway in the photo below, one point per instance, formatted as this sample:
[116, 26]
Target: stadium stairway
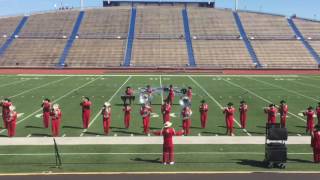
[246, 40]
[127, 57]
[70, 41]
[15, 34]
[304, 42]
[192, 61]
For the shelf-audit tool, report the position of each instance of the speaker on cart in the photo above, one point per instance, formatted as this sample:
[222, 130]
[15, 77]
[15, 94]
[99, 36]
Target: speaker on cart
[276, 152]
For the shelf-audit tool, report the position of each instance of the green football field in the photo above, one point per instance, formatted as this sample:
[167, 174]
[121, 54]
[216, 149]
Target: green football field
[28, 91]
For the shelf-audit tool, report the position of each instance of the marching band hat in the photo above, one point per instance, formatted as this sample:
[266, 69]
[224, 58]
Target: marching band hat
[272, 105]
[282, 101]
[189, 87]
[230, 104]
[55, 106]
[167, 124]
[319, 103]
[203, 101]
[12, 108]
[87, 98]
[241, 102]
[310, 107]
[107, 104]
[7, 99]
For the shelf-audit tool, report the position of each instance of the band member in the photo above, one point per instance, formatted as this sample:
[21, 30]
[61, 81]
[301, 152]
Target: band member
[186, 119]
[171, 95]
[283, 110]
[203, 109]
[166, 110]
[229, 118]
[318, 113]
[5, 104]
[11, 119]
[85, 104]
[315, 144]
[168, 147]
[46, 106]
[145, 112]
[55, 120]
[310, 121]
[243, 114]
[129, 93]
[271, 111]
[189, 93]
[127, 115]
[148, 93]
[106, 117]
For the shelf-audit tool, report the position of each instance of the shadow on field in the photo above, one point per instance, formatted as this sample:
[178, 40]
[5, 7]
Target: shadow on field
[154, 128]
[193, 127]
[71, 127]
[263, 127]
[301, 126]
[147, 160]
[3, 135]
[35, 127]
[213, 133]
[253, 163]
[128, 132]
[93, 133]
[260, 133]
[299, 160]
[117, 127]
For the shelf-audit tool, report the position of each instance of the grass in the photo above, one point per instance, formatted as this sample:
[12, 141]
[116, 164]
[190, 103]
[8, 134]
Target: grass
[146, 158]
[28, 91]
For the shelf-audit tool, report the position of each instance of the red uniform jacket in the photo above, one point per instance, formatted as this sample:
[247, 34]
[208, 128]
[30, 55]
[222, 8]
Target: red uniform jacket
[56, 114]
[167, 134]
[145, 112]
[315, 140]
[229, 113]
[171, 92]
[186, 113]
[106, 113]
[85, 106]
[283, 110]
[272, 113]
[12, 117]
[189, 94]
[309, 115]
[243, 109]
[46, 107]
[166, 108]
[203, 108]
[5, 108]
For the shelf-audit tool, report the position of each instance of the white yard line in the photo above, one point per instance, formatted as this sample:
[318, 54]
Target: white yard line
[288, 90]
[260, 97]
[44, 85]
[214, 100]
[304, 84]
[99, 113]
[144, 153]
[15, 82]
[160, 77]
[40, 109]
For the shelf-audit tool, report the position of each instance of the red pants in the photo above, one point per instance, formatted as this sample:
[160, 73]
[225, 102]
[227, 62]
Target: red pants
[316, 155]
[55, 125]
[310, 126]
[85, 118]
[166, 117]
[106, 125]
[283, 120]
[171, 99]
[243, 120]
[186, 126]
[127, 121]
[46, 119]
[318, 116]
[229, 126]
[203, 119]
[168, 154]
[146, 125]
[4, 120]
[11, 126]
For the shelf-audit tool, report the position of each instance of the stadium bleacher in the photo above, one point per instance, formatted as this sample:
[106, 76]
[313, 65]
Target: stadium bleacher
[159, 39]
